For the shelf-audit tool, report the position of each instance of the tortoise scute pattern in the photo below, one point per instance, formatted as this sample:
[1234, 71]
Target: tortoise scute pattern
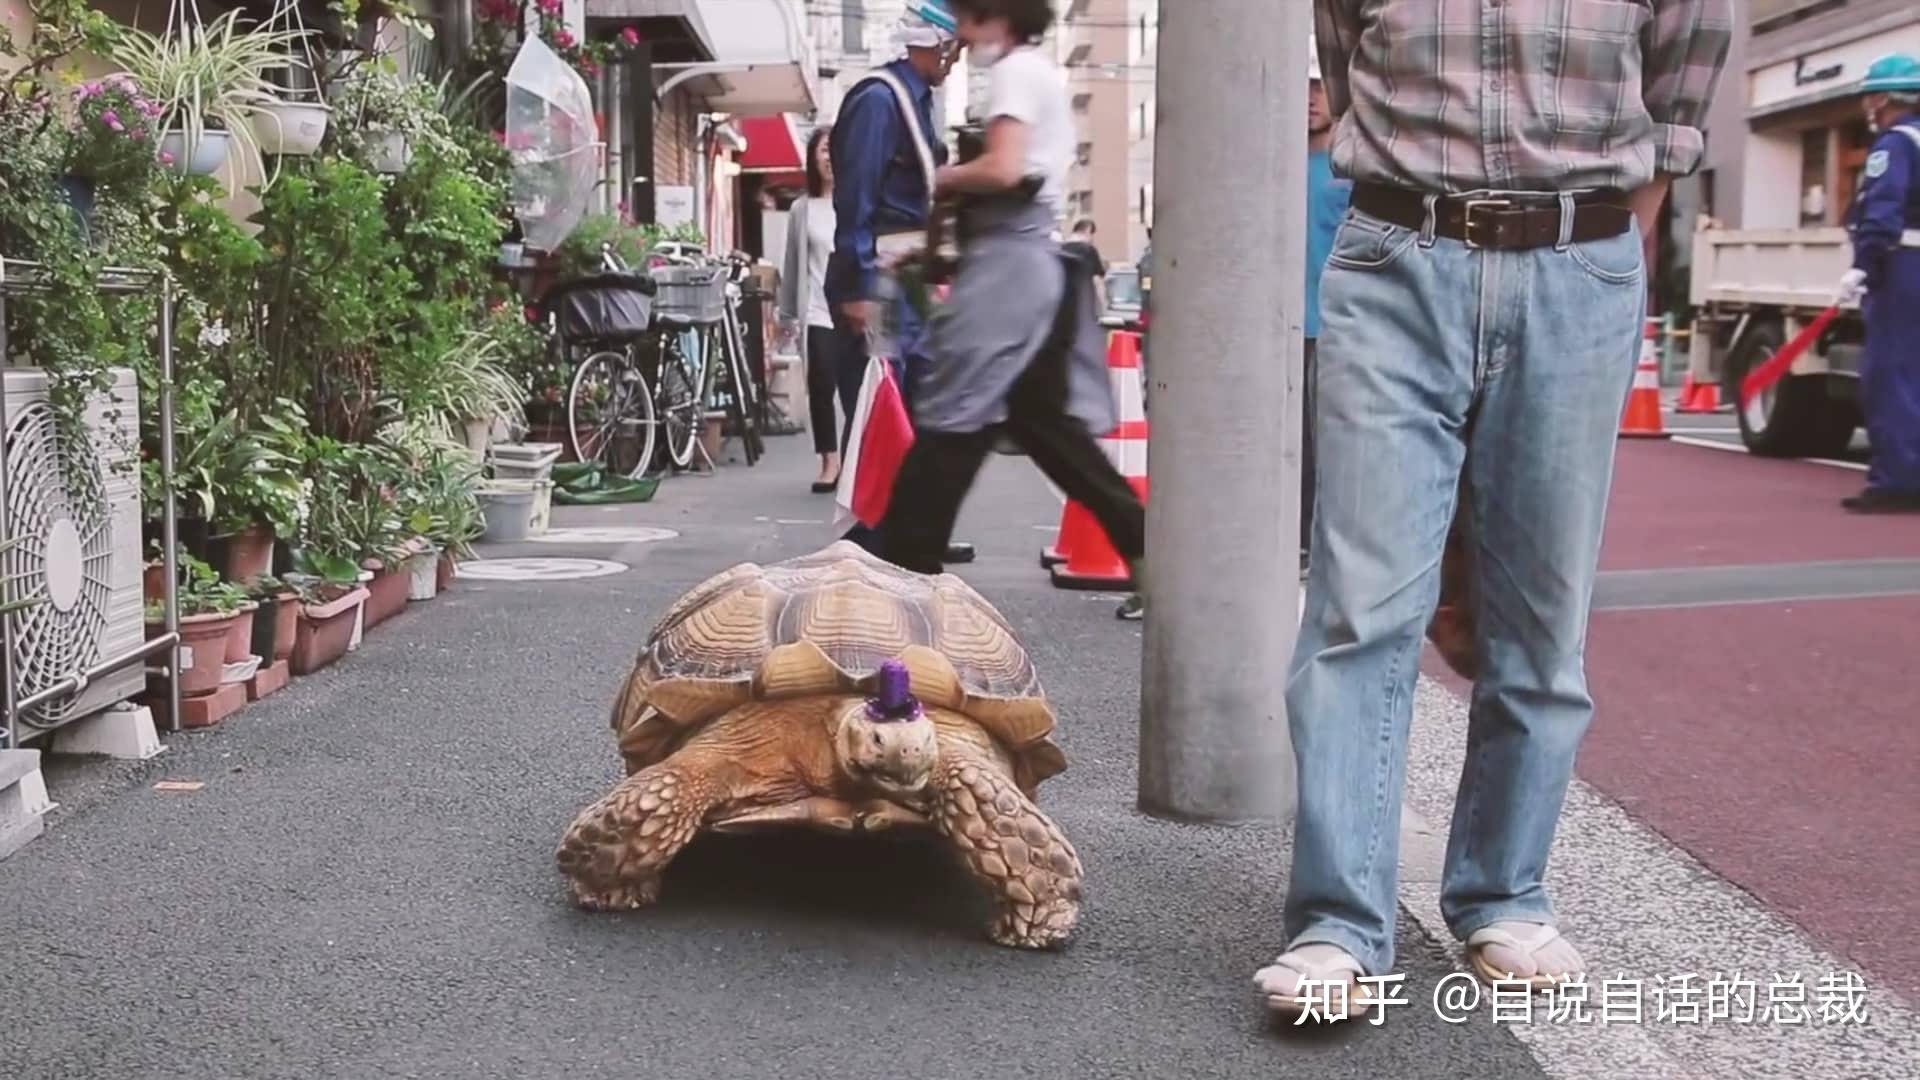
[824, 623]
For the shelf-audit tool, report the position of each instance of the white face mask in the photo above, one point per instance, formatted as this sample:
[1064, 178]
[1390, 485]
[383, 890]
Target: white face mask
[987, 55]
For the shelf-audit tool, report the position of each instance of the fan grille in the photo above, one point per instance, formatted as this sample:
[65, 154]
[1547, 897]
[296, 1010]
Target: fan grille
[57, 506]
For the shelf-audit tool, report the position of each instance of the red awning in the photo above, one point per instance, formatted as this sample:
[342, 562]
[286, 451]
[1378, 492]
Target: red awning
[773, 144]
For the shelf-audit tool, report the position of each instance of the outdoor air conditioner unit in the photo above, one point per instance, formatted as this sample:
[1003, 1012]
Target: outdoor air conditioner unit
[75, 504]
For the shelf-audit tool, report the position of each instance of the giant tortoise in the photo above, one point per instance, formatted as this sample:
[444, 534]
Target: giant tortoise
[839, 692]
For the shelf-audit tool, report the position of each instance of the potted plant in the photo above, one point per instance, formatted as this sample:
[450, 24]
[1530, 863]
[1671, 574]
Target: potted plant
[210, 82]
[114, 145]
[331, 598]
[208, 608]
[277, 621]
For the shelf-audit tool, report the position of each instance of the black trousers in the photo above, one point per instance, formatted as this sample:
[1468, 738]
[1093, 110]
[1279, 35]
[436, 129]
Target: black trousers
[941, 467]
[826, 347]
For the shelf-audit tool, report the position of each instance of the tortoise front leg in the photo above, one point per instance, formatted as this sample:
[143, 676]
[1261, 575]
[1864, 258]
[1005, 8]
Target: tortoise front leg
[1013, 848]
[616, 850]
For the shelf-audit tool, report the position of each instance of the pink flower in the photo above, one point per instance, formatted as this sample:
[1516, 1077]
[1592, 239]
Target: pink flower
[564, 39]
[166, 157]
[551, 7]
[112, 120]
[630, 35]
[86, 91]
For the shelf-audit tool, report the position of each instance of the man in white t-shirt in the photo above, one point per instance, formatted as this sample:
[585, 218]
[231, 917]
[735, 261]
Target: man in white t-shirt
[1016, 349]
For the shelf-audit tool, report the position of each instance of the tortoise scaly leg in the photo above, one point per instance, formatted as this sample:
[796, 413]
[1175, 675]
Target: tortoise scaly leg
[616, 850]
[1013, 848]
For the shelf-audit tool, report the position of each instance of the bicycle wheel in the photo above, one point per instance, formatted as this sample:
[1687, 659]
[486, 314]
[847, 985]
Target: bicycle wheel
[677, 402]
[741, 406]
[610, 415]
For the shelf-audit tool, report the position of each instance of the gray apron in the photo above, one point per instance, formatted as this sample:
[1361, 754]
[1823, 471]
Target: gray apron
[1005, 300]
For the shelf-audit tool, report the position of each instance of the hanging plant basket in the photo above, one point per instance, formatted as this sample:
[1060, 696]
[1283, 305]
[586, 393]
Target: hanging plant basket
[388, 150]
[207, 156]
[291, 128]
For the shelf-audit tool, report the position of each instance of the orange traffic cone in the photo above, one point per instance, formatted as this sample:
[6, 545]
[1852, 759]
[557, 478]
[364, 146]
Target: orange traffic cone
[1698, 397]
[1058, 552]
[1091, 562]
[1642, 419]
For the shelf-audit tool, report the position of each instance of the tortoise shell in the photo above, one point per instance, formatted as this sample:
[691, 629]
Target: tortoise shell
[824, 623]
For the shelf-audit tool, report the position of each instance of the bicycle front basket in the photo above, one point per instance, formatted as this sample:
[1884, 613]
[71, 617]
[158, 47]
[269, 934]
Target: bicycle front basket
[692, 294]
[604, 307]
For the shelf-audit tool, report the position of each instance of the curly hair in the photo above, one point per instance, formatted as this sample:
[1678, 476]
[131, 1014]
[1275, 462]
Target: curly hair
[1029, 19]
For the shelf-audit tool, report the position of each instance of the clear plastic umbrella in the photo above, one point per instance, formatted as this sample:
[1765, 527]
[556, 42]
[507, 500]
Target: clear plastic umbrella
[554, 142]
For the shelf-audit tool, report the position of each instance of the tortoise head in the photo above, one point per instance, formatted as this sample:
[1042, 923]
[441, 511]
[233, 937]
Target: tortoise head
[888, 739]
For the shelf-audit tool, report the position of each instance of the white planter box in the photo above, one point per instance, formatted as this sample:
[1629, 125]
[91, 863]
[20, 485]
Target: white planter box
[291, 128]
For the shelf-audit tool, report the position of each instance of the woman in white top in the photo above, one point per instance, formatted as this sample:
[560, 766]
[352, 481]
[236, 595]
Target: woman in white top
[809, 243]
[1016, 350]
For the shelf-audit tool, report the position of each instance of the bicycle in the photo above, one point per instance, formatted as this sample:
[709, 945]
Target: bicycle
[700, 296]
[611, 419]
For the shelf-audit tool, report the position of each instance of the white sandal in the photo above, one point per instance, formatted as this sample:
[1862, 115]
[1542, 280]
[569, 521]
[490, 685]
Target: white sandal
[1526, 938]
[1280, 984]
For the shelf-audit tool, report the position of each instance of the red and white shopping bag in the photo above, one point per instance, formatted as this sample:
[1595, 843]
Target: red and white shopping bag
[882, 432]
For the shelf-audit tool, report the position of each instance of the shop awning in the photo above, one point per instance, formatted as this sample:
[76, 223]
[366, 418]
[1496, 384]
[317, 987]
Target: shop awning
[763, 59]
[774, 145]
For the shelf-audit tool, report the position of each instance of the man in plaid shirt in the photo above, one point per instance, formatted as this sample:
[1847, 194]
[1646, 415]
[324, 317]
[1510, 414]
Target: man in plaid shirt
[1481, 313]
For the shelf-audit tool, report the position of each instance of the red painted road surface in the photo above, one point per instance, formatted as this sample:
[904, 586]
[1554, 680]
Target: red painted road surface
[1777, 743]
[1683, 506]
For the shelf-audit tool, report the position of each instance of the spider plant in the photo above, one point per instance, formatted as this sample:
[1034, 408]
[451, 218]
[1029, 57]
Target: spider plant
[210, 78]
[467, 383]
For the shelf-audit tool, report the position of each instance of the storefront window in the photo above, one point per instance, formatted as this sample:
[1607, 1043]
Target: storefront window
[1813, 176]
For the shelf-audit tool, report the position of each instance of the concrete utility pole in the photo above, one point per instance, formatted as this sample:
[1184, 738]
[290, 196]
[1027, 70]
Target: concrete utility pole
[1225, 364]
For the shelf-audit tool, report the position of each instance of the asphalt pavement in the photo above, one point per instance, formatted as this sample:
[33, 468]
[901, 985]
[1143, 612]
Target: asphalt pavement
[365, 884]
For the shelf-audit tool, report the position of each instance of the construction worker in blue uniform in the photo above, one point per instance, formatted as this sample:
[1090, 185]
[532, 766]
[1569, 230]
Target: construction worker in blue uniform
[1885, 278]
[881, 192]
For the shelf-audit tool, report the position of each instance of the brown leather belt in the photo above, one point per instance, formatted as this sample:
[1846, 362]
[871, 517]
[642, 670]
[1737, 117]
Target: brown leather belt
[1498, 222]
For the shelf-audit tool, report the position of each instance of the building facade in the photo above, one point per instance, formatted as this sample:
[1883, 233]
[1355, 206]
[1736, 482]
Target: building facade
[1786, 140]
[1107, 48]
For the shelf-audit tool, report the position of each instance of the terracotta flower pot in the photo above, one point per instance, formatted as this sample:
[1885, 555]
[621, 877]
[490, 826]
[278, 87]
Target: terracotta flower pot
[274, 626]
[240, 633]
[286, 624]
[387, 592]
[203, 650]
[324, 631]
[154, 586]
[249, 554]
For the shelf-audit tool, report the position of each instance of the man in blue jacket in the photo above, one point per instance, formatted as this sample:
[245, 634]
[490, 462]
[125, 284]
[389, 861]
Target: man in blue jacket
[880, 192]
[1885, 277]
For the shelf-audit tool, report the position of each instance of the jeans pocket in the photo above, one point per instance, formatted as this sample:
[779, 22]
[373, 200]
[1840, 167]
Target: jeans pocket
[1616, 260]
[1364, 242]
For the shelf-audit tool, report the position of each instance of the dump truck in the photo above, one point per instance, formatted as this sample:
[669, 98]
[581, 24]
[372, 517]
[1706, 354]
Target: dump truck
[1751, 291]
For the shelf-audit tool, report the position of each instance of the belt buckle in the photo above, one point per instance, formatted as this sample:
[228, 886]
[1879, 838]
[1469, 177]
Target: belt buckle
[1466, 217]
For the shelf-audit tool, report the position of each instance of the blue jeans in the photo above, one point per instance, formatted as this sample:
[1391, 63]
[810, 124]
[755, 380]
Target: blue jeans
[1437, 363]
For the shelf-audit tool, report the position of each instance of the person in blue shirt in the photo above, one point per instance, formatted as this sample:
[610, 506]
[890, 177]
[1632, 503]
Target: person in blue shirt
[1885, 277]
[1327, 199]
[882, 192]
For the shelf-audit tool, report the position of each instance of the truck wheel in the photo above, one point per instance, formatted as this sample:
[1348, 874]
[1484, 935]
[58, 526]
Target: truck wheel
[1793, 417]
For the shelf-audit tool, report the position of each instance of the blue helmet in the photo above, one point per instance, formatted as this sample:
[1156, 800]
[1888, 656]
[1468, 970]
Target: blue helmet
[1894, 73]
[936, 13]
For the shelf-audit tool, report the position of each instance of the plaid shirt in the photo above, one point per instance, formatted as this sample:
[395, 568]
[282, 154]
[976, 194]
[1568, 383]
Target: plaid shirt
[1520, 95]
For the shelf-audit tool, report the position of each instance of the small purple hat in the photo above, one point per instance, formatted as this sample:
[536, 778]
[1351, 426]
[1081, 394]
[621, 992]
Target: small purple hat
[893, 694]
